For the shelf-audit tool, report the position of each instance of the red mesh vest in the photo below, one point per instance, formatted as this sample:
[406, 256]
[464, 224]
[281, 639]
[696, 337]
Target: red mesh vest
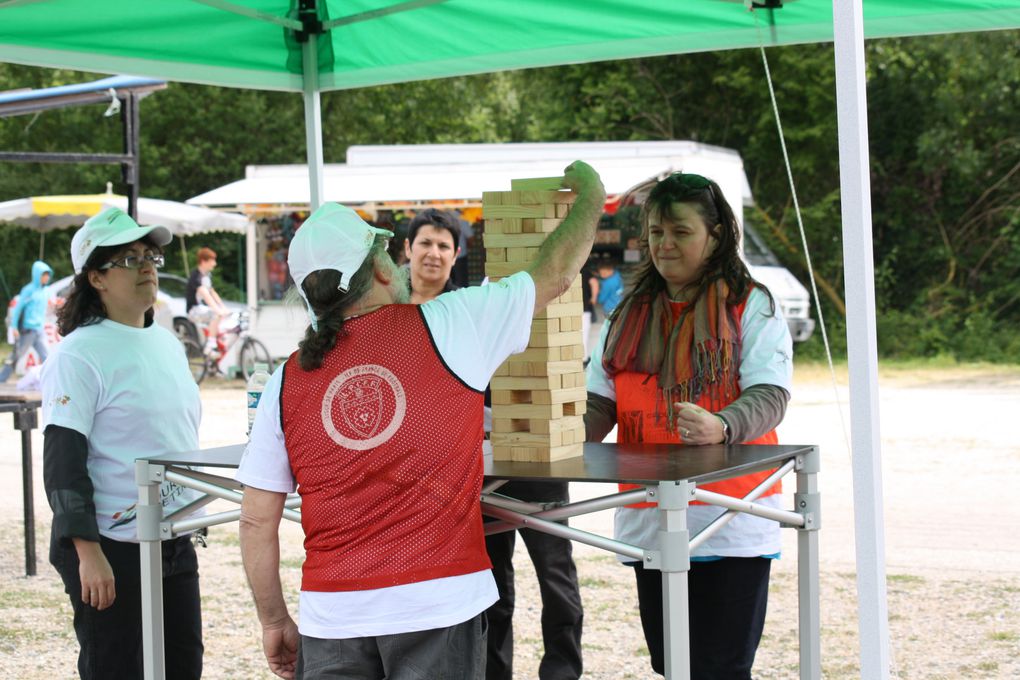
[386, 446]
[637, 422]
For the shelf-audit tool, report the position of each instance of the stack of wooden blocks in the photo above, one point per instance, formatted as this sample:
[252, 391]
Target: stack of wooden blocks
[538, 396]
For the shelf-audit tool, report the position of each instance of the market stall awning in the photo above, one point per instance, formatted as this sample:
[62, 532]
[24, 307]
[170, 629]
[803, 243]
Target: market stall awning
[45, 213]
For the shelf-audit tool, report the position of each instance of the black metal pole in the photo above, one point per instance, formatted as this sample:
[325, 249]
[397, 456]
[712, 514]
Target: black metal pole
[132, 121]
[26, 421]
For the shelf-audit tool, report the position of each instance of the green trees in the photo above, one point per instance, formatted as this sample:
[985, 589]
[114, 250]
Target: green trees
[945, 152]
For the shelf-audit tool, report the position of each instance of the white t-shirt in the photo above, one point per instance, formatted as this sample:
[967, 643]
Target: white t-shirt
[129, 391]
[766, 358]
[475, 329]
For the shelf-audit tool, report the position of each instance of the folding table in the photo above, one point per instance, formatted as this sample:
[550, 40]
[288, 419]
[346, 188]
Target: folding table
[669, 475]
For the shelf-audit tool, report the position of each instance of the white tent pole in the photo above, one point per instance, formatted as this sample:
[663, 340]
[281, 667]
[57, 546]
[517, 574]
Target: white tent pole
[251, 267]
[313, 120]
[855, 195]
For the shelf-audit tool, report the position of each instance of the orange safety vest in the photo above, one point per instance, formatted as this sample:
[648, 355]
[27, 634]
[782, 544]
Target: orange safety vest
[638, 422]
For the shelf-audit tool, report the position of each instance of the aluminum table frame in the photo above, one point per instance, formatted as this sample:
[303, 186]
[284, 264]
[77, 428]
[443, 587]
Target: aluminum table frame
[669, 474]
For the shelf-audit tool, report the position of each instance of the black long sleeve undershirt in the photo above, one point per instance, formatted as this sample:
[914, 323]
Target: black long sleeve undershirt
[68, 486]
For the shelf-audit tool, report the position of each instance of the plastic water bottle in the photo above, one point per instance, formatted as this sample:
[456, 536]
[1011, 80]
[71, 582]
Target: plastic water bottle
[256, 383]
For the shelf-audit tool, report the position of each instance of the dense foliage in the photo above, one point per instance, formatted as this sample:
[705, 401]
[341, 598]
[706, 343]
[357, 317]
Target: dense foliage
[945, 152]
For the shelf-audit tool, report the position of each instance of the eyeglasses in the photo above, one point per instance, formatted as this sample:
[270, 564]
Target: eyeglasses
[135, 262]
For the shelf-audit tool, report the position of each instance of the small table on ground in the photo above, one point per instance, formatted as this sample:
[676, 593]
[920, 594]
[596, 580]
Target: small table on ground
[25, 407]
[669, 475]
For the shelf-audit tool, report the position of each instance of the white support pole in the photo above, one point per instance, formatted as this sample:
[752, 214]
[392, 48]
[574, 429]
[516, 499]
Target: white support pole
[313, 120]
[855, 193]
[148, 515]
[251, 267]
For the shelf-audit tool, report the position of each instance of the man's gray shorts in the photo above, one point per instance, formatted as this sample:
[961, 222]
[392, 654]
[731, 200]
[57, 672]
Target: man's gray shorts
[454, 653]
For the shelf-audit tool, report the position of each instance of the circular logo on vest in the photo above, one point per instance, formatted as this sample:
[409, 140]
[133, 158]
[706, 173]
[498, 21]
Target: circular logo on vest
[363, 407]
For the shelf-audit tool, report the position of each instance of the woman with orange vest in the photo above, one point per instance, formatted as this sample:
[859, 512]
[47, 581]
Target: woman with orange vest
[697, 353]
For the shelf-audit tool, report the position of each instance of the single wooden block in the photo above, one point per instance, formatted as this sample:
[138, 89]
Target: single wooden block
[572, 352]
[536, 197]
[516, 425]
[503, 369]
[509, 382]
[546, 325]
[573, 380]
[498, 239]
[535, 354]
[560, 309]
[537, 184]
[504, 268]
[546, 210]
[529, 411]
[530, 439]
[495, 254]
[532, 369]
[510, 397]
[561, 396]
[570, 323]
[490, 198]
[540, 425]
[539, 339]
[504, 225]
[562, 210]
[536, 454]
[526, 255]
[546, 225]
[577, 408]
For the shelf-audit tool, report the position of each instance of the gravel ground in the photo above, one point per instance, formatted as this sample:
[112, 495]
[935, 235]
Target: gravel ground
[951, 465]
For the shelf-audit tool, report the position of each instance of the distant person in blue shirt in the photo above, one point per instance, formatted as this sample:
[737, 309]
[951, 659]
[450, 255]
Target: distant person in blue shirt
[29, 317]
[610, 286]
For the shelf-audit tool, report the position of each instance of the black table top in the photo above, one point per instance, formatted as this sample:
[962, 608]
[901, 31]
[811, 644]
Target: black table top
[636, 463]
[9, 394]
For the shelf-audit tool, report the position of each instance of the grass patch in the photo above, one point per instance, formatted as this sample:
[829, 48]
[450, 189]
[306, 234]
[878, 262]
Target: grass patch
[18, 598]
[590, 582]
[905, 579]
[1003, 636]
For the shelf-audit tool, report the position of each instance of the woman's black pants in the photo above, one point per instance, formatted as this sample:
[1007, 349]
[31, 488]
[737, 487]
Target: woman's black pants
[111, 640]
[727, 599]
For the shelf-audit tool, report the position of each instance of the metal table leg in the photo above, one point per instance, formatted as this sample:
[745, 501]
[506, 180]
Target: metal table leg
[807, 502]
[673, 560]
[149, 515]
[26, 421]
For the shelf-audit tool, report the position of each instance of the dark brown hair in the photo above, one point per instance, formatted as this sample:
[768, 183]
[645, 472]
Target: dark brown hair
[723, 263]
[330, 305]
[83, 307]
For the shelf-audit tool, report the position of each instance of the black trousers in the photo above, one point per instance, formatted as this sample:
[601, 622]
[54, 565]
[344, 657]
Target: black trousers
[557, 581]
[727, 601]
[111, 640]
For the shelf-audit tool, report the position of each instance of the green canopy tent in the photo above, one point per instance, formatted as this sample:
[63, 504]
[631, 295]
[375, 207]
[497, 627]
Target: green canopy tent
[312, 46]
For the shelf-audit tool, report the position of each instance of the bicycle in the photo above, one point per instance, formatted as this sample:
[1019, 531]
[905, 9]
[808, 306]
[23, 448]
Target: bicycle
[203, 363]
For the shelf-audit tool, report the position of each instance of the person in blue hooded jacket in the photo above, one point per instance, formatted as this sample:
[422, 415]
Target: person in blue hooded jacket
[29, 318]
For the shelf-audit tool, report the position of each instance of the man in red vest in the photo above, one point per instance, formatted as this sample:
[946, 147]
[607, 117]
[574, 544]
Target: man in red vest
[376, 420]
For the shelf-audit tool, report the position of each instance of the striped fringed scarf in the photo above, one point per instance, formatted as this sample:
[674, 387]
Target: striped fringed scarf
[695, 356]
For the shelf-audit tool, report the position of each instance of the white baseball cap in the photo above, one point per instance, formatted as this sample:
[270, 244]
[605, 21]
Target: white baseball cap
[112, 227]
[333, 237]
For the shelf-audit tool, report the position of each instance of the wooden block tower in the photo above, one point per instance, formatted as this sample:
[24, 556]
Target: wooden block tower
[538, 396]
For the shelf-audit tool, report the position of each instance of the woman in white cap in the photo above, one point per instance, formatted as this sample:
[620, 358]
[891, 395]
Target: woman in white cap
[117, 387]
